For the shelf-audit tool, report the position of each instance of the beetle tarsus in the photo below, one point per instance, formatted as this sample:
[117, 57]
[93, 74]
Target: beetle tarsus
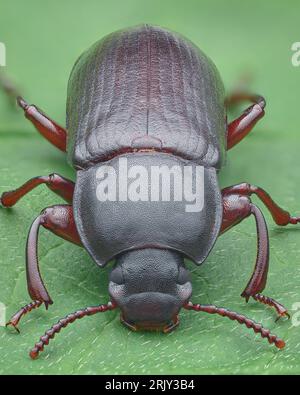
[280, 309]
[15, 319]
[294, 220]
[285, 314]
[11, 323]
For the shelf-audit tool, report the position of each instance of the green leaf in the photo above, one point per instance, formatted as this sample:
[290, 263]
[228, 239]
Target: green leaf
[43, 40]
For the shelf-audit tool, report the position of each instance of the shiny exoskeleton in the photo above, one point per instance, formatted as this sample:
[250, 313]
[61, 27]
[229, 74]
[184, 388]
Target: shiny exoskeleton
[152, 97]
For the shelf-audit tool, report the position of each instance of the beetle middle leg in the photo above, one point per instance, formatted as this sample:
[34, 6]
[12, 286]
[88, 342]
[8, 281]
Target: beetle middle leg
[56, 183]
[237, 207]
[60, 221]
[280, 216]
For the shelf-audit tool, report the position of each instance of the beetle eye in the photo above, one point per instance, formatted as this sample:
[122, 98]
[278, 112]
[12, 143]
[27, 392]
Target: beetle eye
[116, 275]
[183, 276]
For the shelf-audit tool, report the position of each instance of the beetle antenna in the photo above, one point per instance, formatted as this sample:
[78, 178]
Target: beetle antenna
[258, 328]
[62, 323]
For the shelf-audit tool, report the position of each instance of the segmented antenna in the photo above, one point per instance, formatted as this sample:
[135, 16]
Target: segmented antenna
[62, 323]
[258, 328]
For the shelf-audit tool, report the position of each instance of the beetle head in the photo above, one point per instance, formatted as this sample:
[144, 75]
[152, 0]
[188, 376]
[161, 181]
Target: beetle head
[150, 286]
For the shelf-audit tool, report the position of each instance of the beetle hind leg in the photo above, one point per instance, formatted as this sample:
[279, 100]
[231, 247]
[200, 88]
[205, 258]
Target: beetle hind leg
[242, 126]
[9, 88]
[48, 128]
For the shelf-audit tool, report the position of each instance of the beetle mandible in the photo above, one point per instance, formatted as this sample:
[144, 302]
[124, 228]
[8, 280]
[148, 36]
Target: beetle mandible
[149, 96]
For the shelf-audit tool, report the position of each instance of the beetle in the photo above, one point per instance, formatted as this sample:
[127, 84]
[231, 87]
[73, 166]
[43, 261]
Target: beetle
[150, 97]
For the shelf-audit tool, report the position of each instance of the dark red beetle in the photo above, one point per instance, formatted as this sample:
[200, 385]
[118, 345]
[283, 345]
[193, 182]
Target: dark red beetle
[147, 97]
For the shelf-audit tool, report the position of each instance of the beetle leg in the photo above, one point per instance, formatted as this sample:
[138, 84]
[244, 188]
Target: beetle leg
[280, 309]
[9, 88]
[56, 183]
[280, 216]
[236, 208]
[53, 132]
[60, 221]
[239, 96]
[240, 127]
[15, 319]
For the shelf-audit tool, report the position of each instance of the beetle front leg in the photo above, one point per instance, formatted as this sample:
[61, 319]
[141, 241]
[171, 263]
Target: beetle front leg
[240, 127]
[236, 208]
[60, 221]
[56, 183]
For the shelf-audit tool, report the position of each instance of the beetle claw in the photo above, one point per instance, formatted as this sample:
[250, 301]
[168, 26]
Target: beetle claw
[294, 220]
[14, 325]
[283, 314]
